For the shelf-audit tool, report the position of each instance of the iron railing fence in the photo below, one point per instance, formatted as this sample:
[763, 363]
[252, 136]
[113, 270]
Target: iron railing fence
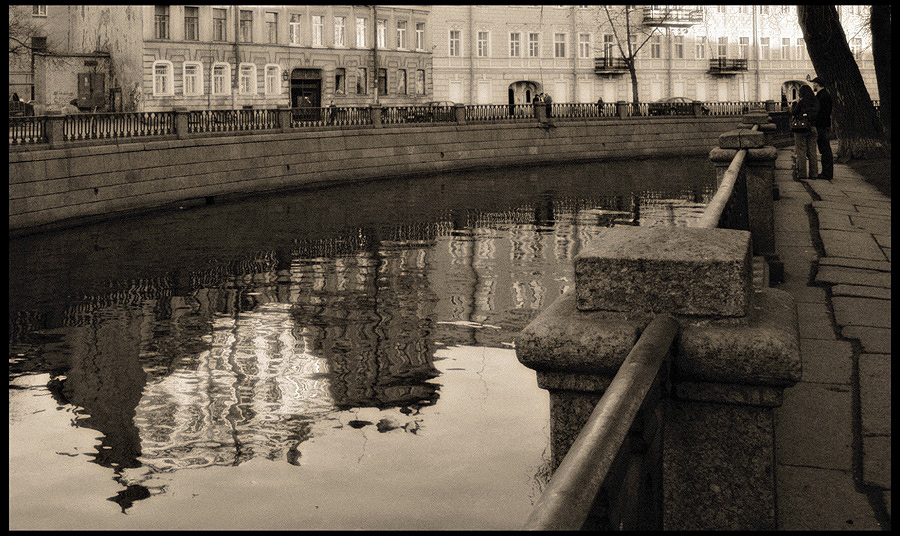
[34, 130]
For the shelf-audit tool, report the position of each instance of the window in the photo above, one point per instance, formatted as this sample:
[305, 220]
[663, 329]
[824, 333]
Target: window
[362, 81]
[455, 43]
[246, 26]
[420, 82]
[656, 46]
[163, 83]
[271, 27]
[678, 46]
[534, 45]
[220, 22]
[722, 49]
[361, 31]
[340, 39]
[39, 11]
[482, 44]
[584, 45]
[743, 48]
[401, 34]
[193, 78]
[382, 33]
[420, 36]
[515, 44]
[764, 48]
[340, 81]
[191, 23]
[608, 45]
[221, 78]
[161, 22]
[273, 80]
[786, 48]
[700, 48]
[801, 49]
[318, 30]
[401, 82]
[559, 45]
[247, 79]
[382, 81]
[294, 28]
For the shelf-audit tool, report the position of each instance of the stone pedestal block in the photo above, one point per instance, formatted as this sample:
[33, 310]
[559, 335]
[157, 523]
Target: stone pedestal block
[678, 270]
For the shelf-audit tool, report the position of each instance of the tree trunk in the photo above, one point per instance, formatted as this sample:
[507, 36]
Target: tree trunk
[634, 87]
[881, 54]
[858, 129]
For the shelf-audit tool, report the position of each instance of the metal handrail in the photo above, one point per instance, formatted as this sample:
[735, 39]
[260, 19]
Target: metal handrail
[569, 497]
[713, 212]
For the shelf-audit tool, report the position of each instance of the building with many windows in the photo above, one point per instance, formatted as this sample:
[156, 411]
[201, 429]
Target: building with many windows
[215, 57]
[505, 54]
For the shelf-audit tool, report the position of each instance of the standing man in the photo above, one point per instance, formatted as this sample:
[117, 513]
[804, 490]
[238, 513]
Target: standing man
[823, 126]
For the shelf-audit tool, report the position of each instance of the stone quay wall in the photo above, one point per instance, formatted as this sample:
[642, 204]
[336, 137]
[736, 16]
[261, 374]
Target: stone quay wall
[83, 181]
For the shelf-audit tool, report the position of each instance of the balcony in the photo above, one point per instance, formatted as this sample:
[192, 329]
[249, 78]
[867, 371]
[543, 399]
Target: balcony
[610, 66]
[726, 67]
[672, 16]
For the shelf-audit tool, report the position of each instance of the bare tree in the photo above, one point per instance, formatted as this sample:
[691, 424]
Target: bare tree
[22, 31]
[630, 37]
[858, 129]
[880, 24]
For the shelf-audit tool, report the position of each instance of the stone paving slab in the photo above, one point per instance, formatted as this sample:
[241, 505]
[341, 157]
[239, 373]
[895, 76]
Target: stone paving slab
[820, 499]
[814, 322]
[835, 220]
[850, 244]
[858, 291]
[875, 211]
[795, 238]
[862, 312]
[873, 224]
[826, 361]
[853, 276]
[877, 462]
[847, 262]
[873, 340]
[875, 393]
[884, 241]
[818, 417]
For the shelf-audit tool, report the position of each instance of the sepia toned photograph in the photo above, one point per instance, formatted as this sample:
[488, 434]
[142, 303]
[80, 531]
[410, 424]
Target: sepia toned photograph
[449, 267]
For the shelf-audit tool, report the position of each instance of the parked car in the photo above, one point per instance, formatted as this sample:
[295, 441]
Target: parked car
[675, 106]
[433, 111]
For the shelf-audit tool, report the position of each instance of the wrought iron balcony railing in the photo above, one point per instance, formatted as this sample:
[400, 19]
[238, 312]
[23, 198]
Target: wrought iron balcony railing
[610, 65]
[672, 15]
[727, 66]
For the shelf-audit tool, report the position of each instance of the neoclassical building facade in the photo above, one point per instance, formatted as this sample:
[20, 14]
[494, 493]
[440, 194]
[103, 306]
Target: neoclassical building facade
[504, 54]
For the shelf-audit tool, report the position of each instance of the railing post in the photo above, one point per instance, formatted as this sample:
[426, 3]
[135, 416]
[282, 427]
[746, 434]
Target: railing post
[181, 123]
[621, 109]
[737, 351]
[375, 115]
[56, 130]
[758, 173]
[284, 118]
[460, 111]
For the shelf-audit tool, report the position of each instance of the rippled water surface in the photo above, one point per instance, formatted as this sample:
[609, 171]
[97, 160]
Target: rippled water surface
[332, 358]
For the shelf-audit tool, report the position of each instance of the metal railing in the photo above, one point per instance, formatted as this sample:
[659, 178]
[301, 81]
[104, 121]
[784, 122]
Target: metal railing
[32, 130]
[582, 489]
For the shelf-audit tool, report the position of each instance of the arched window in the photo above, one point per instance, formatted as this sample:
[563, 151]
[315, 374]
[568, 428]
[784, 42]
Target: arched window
[163, 81]
[247, 79]
[192, 77]
[221, 79]
[273, 80]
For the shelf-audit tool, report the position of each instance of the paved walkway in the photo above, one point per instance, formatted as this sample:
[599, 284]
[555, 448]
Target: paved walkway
[833, 432]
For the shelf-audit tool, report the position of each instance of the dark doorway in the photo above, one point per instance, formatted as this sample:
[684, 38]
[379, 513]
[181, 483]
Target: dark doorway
[306, 94]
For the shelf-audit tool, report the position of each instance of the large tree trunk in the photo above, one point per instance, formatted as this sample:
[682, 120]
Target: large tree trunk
[858, 129]
[881, 53]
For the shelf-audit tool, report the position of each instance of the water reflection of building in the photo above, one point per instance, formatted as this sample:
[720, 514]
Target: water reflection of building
[237, 361]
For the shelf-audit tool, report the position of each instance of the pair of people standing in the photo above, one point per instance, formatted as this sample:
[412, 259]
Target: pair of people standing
[817, 109]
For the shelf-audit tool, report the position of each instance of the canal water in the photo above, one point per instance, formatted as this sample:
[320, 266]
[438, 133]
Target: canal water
[331, 358]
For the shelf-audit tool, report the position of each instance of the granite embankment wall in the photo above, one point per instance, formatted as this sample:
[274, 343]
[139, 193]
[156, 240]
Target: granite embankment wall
[77, 183]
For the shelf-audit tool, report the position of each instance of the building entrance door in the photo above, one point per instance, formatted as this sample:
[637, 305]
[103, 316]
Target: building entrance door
[306, 94]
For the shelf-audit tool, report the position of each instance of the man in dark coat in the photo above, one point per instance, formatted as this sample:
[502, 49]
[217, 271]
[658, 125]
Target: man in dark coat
[823, 127]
